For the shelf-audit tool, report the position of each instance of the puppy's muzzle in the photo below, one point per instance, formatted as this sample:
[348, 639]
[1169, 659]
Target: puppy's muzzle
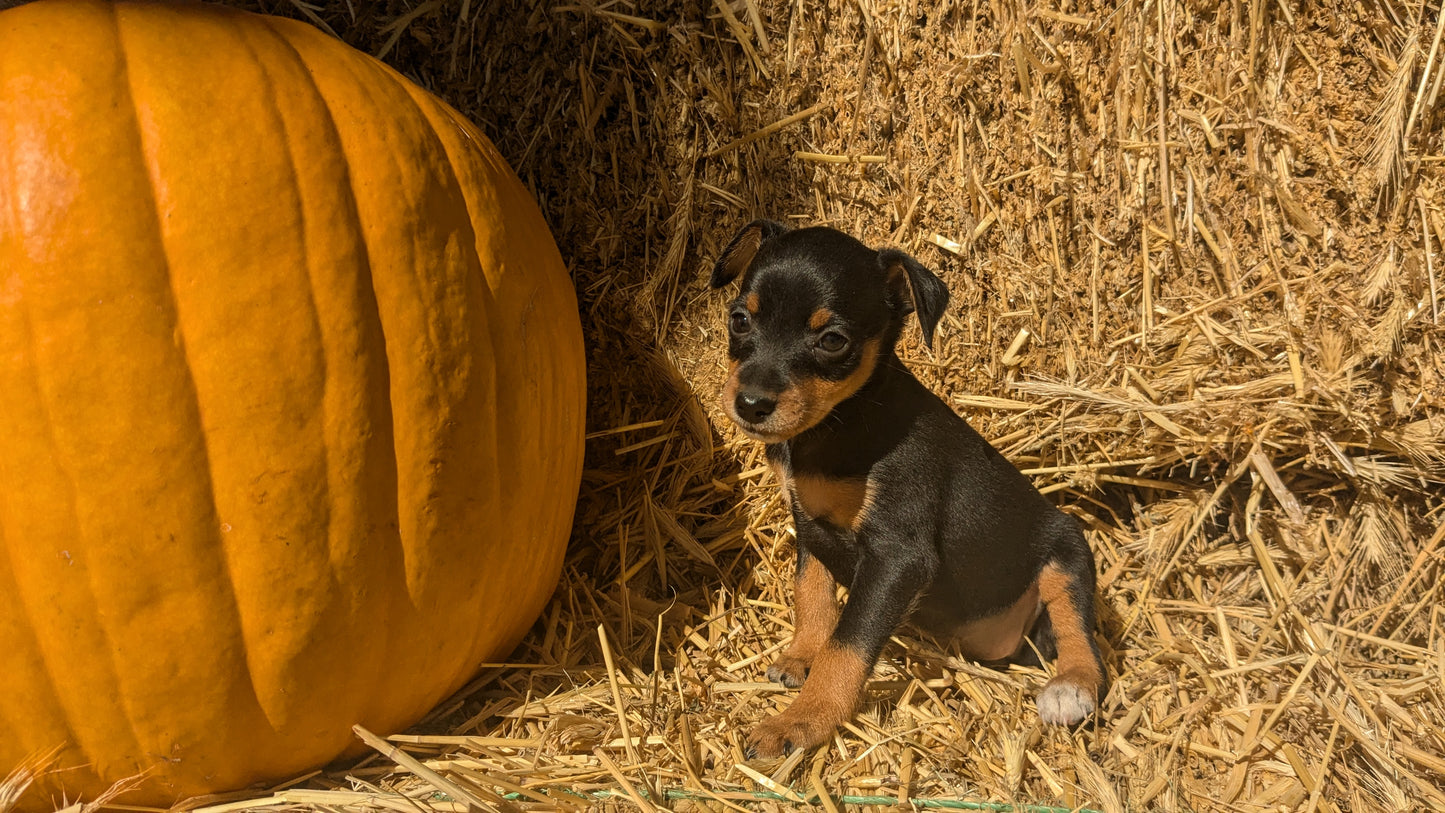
[761, 412]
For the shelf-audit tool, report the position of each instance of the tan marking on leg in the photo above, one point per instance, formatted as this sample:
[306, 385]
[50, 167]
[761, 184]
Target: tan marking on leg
[1001, 635]
[1075, 642]
[752, 302]
[835, 684]
[834, 500]
[820, 318]
[815, 605]
[1074, 691]
[815, 615]
[829, 697]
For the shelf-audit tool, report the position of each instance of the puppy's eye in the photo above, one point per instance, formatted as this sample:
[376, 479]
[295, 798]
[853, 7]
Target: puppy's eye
[832, 342]
[740, 322]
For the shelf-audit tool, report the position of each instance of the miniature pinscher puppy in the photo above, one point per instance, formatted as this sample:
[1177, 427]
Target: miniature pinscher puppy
[892, 493]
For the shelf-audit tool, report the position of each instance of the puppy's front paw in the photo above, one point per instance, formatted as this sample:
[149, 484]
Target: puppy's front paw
[789, 670]
[1065, 702]
[786, 732]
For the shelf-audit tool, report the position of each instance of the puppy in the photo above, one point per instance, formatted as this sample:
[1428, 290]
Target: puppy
[892, 493]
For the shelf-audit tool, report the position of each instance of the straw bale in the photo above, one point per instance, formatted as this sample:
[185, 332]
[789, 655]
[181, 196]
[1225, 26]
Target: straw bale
[1196, 256]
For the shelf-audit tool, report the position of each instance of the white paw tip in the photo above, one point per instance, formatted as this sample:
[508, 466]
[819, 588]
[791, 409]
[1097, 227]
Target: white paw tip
[1064, 703]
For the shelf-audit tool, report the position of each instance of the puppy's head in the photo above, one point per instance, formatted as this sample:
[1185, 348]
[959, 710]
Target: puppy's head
[815, 313]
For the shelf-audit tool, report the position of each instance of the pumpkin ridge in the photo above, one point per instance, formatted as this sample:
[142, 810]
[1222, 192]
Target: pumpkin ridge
[475, 154]
[106, 632]
[46, 663]
[557, 297]
[466, 666]
[386, 424]
[358, 701]
[233, 613]
[269, 98]
[397, 303]
[85, 739]
[389, 344]
[433, 356]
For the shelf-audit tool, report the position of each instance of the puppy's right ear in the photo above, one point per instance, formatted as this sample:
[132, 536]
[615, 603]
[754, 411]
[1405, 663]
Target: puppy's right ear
[738, 255]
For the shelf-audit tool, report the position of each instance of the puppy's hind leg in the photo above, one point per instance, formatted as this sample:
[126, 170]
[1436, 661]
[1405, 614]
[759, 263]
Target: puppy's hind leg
[1039, 646]
[1066, 587]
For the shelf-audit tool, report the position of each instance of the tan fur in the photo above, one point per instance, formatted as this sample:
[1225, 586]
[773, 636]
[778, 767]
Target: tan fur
[830, 499]
[820, 318]
[803, 405]
[1076, 662]
[815, 615]
[752, 303]
[815, 605]
[999, 636]
[863, 510]
[829, 697]
[729, 394]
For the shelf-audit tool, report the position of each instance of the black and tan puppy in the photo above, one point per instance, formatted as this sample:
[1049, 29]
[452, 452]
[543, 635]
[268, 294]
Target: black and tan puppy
[892, 493]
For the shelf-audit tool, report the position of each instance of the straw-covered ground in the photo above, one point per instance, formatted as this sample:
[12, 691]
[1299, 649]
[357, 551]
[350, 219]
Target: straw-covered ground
[1195, 251]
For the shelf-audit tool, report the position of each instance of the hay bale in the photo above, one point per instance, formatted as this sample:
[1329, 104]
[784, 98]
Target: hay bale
[1195, 254]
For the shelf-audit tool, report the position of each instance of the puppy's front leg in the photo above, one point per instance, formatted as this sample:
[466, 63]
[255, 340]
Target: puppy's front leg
[815, 614]
[883, 590]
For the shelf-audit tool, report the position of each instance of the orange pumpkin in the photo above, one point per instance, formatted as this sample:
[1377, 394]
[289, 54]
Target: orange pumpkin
[293, 396]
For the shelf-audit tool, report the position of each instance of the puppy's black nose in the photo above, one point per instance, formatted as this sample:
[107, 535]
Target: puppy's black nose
[754, 407]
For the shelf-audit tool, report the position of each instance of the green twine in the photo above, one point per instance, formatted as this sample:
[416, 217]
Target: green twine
[769, 796]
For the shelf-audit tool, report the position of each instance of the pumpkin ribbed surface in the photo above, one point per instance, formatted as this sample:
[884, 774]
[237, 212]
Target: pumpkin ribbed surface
[292, 401]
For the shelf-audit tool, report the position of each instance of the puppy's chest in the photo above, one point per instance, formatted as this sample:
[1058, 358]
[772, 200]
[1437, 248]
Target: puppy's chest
[840, 502]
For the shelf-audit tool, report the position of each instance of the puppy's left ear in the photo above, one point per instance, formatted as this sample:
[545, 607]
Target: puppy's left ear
[740, 250]
[914, 289]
